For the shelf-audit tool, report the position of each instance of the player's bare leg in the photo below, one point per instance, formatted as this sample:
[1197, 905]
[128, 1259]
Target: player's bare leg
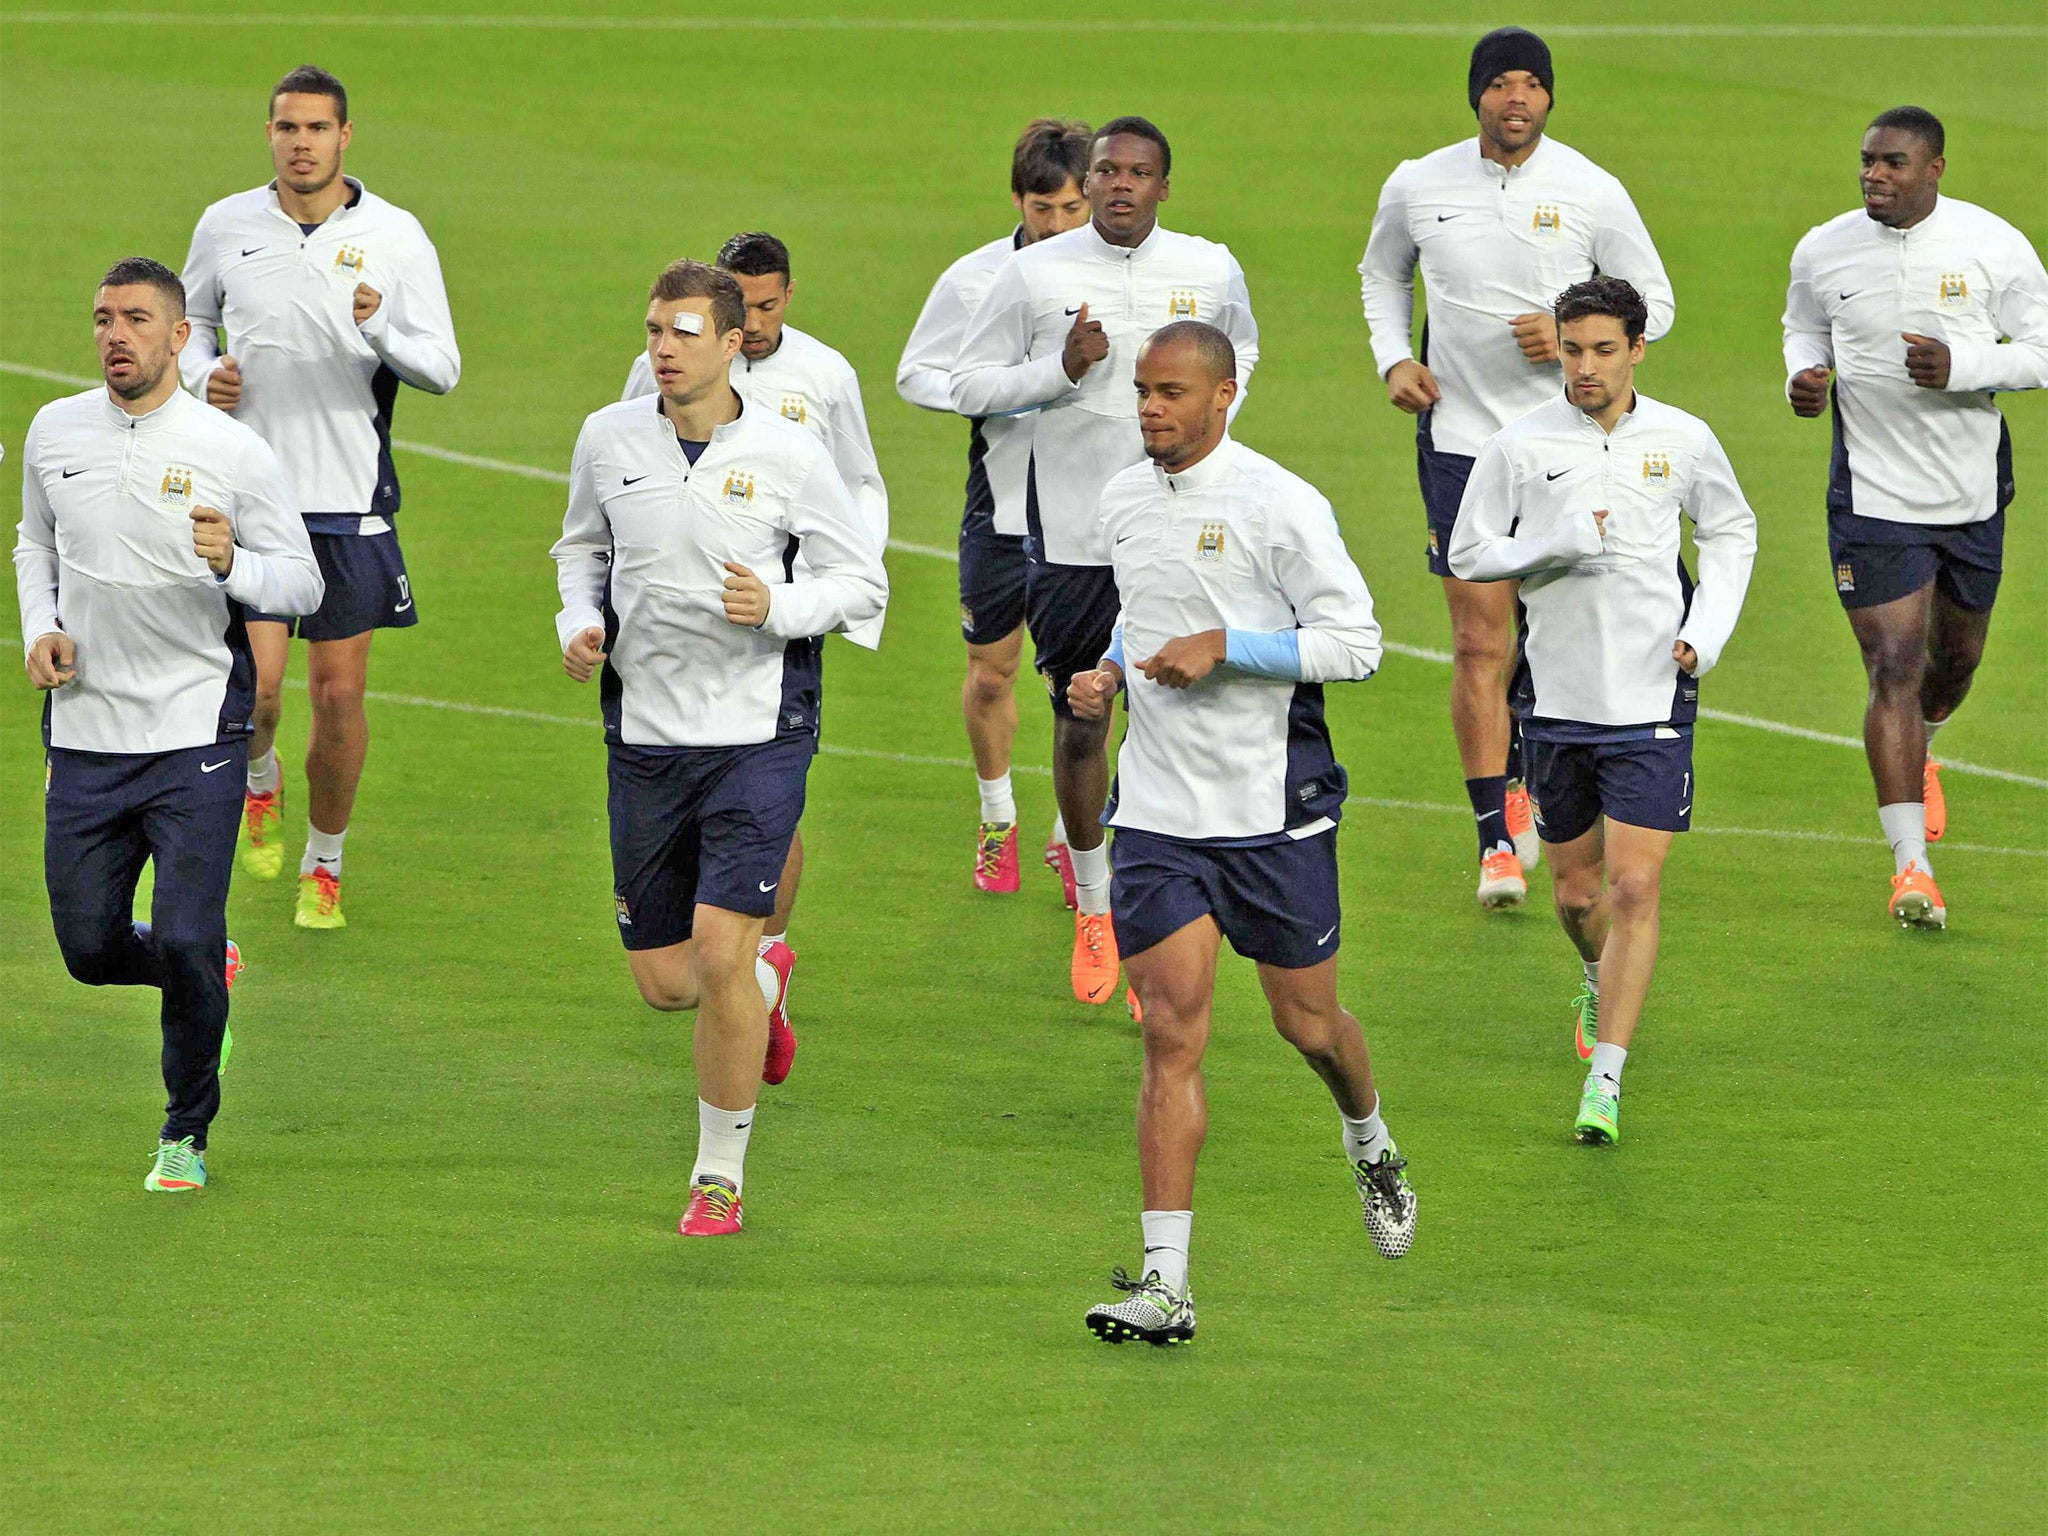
[1176, 984]
[1955, 647]
[1578, 889]
[988, 703]
[1894, 639]
[713, 971]
[1080, 781]
[337, 677]
[1634, 859]
[777, 964]
[1309, 1017]
[1482, 666]
[261, 851]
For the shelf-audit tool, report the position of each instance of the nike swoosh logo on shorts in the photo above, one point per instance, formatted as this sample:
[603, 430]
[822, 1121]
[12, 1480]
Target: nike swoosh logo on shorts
[1326, 937]
[210, 767]
[767, 886]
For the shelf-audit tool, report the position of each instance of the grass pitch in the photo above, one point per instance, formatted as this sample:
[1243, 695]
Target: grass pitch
[435, 1284]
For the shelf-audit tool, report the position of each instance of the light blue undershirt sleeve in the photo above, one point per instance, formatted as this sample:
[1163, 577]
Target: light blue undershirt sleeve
[1115, 652]
[1276, 654]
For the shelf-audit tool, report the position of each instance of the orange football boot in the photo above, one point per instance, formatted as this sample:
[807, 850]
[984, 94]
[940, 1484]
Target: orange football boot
[1935, 801]
[1916, 900]
[1095, 958]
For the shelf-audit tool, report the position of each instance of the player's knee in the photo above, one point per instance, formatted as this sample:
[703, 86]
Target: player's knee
[94, 958]
[1575, 900]
[1312, 1030]
[269, 705]
[1896, 664]
[665, 995]
[988, 684]
[1633, 893]
[1477, 643]
[336, 695]
[1172, 1031]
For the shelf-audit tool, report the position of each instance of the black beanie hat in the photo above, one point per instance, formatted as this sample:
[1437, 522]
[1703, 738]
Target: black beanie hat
[1507, 48]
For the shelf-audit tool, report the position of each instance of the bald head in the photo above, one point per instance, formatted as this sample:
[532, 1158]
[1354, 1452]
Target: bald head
[1211, 348]
[1186, 379]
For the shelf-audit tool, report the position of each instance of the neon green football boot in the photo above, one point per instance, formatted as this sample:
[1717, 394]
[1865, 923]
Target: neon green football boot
[261, 850]
[176, 1168]
[320, 901]
[1586, 1011]
[1599, 1122]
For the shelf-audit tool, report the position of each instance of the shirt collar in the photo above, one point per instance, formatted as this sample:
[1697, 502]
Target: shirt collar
[1211, 468]
[1498, 172]
[1900, 236]
[149, 420]
[719, 434]
[1104, 249]
[355, 196]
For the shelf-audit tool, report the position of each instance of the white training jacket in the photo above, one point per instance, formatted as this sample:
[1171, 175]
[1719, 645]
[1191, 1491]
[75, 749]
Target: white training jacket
[642, 556]
[1962, 275]
[1011, 360]
[105, 556]
[998, 447]
[1237, 543]
[815, 387]
[1494, 242]
[319, 387]
[1603, 617]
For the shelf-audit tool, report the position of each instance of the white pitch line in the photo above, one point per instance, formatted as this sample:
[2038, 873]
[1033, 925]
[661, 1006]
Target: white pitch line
[584, 722]
[1180, 26]
[935, 552]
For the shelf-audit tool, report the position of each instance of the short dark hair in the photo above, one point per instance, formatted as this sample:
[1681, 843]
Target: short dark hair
[1919, 122]
[1210, 344]
[1051, 152]
[1137, 127]
[311, 80]
[687, 279]
[132, 271]
[755, 253]
[1604, 296]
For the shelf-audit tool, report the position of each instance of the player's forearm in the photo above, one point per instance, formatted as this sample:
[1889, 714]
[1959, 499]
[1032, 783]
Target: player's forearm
[1982, 365]
[1390, 321]
[821, 603]
[35, 589]
[1506, 558]
[196, 361]
[1717, 600]
[1008, 389]
[428, 362]
[926, 386]
[1804, 350]
[281, 580]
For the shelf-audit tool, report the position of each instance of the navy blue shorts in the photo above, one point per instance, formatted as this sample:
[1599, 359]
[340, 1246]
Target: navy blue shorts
[992, 580]
[1877, 561]
[1275, 902]
[106, 814]
[1643, 783]
[701, 824]
[367, 588]
[1443, 477]
[1072, 610]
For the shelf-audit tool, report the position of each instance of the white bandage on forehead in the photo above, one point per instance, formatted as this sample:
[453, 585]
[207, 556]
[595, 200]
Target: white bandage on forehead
[689, 322]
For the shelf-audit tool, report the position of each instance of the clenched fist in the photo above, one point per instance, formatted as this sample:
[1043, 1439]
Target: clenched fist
[224, 385]
[367, 302]
[52, 661]
[213, 539]
[745, 597]
[584, 655]
[1087, 345]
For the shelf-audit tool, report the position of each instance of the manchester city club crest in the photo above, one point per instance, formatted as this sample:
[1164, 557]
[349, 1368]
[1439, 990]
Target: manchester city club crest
[1955, 290]
[1547, 220]
[1845, 576]
[796, 408]
[174, 492]
[1181, 304]
[739, 489]
[351, 261]
[1656, 469]
[1209, 543]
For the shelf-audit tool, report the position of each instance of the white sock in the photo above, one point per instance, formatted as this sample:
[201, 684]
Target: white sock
[1365, 1140]
[1905, 828]
[722, 1143]
[769, 939]
[998, 802]
[1592, 968]
[1059, 827]
[1166, 1246]
[1932, 727]
[1091, 877]
[263, 775]
[1607, 1062]
[769, 982]
[323, 851]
